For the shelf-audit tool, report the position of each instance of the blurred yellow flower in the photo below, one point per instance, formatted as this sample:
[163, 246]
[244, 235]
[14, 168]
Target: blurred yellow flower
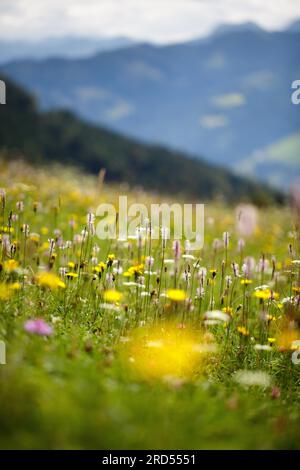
[243, 331]
[71, 275]
[34, 237]
[266, 294]
[246, 282]
[228, 310]
[286, 339]
[44, 246]
[5, 292]
[50, 280]
[10, 265]
[177, 295]
[102, 266]
[112, 296]
[136, 270]
[7, 229]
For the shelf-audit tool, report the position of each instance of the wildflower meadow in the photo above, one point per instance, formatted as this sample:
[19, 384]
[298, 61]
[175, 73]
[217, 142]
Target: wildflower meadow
[139, 343]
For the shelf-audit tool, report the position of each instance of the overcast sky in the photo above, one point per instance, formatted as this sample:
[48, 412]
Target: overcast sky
[154, 20]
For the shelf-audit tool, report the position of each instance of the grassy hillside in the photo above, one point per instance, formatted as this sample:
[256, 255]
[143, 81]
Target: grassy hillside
[63, 137]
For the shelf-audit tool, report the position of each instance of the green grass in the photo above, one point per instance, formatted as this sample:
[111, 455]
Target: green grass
[132, 377]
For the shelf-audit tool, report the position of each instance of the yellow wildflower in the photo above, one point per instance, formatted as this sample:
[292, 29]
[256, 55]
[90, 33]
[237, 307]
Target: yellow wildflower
[286, 339]
[228, 310]
[46, 279]
[243, 331]
[44, 246]
[102, 266]
[7, 229]
[5, 292]
[136, 270]
[34, 237]
[177, 295]
[11, 265]
[266, 294]
[270, 317]
[112, 296]
[271, 340]
[246, 282]
[71, 275]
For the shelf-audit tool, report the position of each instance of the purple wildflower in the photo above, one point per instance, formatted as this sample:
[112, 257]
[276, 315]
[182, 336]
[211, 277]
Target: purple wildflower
[38, 327]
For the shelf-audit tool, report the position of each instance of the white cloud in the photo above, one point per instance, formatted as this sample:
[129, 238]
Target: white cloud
[155, 20]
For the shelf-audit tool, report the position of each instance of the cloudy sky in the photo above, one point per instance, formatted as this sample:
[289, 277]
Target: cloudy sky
[155, 20]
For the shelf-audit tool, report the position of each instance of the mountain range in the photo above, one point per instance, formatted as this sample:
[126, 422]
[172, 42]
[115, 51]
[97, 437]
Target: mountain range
[66, 47]
[43, 137]
[227, 97]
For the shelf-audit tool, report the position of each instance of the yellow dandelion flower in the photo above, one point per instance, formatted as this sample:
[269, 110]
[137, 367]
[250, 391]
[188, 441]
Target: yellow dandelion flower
[243, 331]
[10, 265]
[246, 282]
[271, 340]
[112, 296]
[15, 286]
[71, 275]
[286, 339]
[266, 294]
[50, 280]
[44, 230]
[7, 229]
[111, 257]
[44, 246]
[71, 264]
[5, 292]
[102, 266]
[228, 310]
[34, 237]
[136, 270]
[270, 317]
[177, 295]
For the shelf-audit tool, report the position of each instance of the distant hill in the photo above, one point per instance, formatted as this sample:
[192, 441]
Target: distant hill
[276, 163]
[226, 28]
[294, 27]
[226, 97]
[61, 136]
[64, 47]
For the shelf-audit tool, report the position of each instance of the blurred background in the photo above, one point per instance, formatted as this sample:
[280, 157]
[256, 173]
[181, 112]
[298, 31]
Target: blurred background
[153, 88]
